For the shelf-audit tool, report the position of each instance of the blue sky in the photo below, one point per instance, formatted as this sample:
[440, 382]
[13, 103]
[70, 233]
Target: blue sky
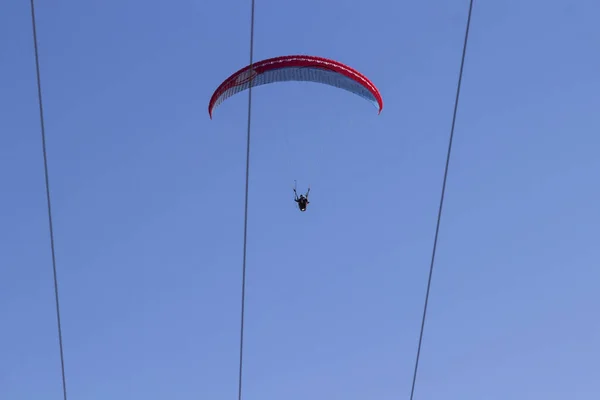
[148, 197]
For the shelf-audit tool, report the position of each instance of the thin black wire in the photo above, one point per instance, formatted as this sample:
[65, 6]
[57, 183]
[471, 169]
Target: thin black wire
[439, 217]
[246, 202]
[51, 226]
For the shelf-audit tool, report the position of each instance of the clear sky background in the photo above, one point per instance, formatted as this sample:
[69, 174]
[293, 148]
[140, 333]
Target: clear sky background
[148, 197]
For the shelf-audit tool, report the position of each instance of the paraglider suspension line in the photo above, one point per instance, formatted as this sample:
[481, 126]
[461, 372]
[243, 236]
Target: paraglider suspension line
[439, 217]
[246, 203]
[51, 228]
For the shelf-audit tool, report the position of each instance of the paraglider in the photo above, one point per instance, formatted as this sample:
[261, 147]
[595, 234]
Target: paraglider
[300, 68]
[302, 200]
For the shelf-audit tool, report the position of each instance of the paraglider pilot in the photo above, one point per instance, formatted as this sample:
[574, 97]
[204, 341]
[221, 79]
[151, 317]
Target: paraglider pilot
[302, 200]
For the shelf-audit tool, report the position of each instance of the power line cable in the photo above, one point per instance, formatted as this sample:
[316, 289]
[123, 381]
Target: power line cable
[51, 226]
[440, 210]
[246, 201]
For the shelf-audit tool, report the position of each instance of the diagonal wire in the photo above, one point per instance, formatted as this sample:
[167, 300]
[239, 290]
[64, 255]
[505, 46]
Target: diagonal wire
[51, 228]
[246, 204]
[439, 217]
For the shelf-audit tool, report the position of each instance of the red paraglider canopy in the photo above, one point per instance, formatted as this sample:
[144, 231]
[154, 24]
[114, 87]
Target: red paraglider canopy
[297, 68]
